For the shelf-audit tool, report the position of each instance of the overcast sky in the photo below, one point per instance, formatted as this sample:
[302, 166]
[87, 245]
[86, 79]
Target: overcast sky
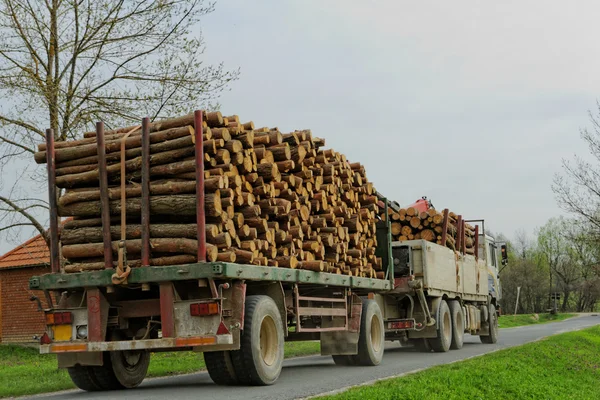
[473, 104]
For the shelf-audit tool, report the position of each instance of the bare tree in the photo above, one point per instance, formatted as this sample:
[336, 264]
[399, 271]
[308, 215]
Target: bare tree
[577, 190]
[67, 63]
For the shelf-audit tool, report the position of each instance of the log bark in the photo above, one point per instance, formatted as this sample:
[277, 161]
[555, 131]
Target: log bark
[177, 205]
[94, 234]
[171, 245]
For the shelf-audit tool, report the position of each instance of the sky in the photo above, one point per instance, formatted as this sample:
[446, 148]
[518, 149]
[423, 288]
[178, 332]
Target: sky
[472, 104]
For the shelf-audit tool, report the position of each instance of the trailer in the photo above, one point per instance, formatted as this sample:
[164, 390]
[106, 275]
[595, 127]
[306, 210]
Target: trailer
[103, 325]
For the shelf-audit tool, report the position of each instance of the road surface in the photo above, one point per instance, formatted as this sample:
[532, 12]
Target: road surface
[306, 376]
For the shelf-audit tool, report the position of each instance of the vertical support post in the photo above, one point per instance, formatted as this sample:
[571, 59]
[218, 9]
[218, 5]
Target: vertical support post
[166, 310]
[445, 227]
[145, 192]
[200, 219]
[104, 201]
[52, 200]
[476, 242]
[464, 238]
[459, 234]
[388, 235]
[96, 306]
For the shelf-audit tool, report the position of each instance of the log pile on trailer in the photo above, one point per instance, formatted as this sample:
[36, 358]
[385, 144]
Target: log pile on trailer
[445, 228]
[271, 198]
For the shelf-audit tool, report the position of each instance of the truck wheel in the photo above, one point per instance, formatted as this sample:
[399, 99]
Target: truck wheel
[129, 366]
[458, 328]
[343, 360]
[84, 378]
[372, 335]
[422, 345]
[260, 357]
[443, 340]
[220, 367]
[493, 323]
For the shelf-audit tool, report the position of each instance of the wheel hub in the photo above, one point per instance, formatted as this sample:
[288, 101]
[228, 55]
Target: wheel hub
[131, 358]
[268, 341]
[376, 341]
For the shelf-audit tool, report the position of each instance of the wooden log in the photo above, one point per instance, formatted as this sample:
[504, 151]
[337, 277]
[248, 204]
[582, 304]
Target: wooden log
[317, 266]
[112, 146]
[243, 256]
[93, 234]
[91, 177]
[159, 245]
[176, 205]
[154, 262]
[287, 261]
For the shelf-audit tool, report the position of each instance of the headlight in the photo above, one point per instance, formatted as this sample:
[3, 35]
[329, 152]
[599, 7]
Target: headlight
[82, 332]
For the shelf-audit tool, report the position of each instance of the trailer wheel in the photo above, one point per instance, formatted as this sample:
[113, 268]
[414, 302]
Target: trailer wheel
[458, 327]
[129, 367]
[372, 335]
[493, 323]
[443, 340]
[220, 367]
[260, 357]
[83, 378]
[343, 360]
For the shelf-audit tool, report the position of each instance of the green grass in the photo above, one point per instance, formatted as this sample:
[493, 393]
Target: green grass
[510, 321]
[560, 367]
[23, 371]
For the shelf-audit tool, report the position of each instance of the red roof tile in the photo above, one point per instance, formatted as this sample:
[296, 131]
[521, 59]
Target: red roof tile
[31, 253]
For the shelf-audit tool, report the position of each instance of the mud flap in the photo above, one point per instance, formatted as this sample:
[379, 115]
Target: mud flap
[429, 331]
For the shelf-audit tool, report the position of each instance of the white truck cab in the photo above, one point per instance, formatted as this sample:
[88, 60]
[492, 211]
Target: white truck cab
[494, 254]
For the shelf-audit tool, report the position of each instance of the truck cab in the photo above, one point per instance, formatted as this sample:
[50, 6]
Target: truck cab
[494, 254]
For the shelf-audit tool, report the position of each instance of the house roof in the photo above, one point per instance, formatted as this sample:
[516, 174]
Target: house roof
[33, 252]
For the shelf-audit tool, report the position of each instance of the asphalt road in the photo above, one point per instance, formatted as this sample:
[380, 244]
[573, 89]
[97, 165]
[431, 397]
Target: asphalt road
[307, 376]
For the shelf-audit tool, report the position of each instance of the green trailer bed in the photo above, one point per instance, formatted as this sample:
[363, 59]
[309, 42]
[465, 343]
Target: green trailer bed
[216, 270]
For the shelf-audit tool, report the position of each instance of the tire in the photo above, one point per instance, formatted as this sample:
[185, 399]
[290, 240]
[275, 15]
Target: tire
[129, 367]
[422, 345]
[493, 324]
[220, 367]
[458, 327]
[371, 341]
[344, 360]
[84, 378]
[442, 342]
[259, 360]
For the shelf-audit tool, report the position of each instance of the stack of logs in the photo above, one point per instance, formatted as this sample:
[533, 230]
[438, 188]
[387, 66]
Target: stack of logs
[271, 198]
[410, 224]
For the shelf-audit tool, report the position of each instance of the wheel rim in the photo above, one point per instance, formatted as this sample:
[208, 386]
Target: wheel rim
[459, 323]
[268, 341]
[130, 359]
[447, 325]
[376, 341]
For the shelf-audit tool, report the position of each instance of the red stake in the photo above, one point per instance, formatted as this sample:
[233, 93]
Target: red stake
[54, 255]
[200, 219]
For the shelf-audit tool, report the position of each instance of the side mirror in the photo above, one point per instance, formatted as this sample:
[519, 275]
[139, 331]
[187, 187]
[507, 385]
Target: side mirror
[504, 252]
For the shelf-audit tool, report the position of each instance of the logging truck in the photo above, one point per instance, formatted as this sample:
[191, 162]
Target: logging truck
[239, 316]
[104, 318]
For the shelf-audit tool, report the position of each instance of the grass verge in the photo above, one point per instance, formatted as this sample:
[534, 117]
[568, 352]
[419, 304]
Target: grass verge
[23, 371]
[565, 366]
[510, 321]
